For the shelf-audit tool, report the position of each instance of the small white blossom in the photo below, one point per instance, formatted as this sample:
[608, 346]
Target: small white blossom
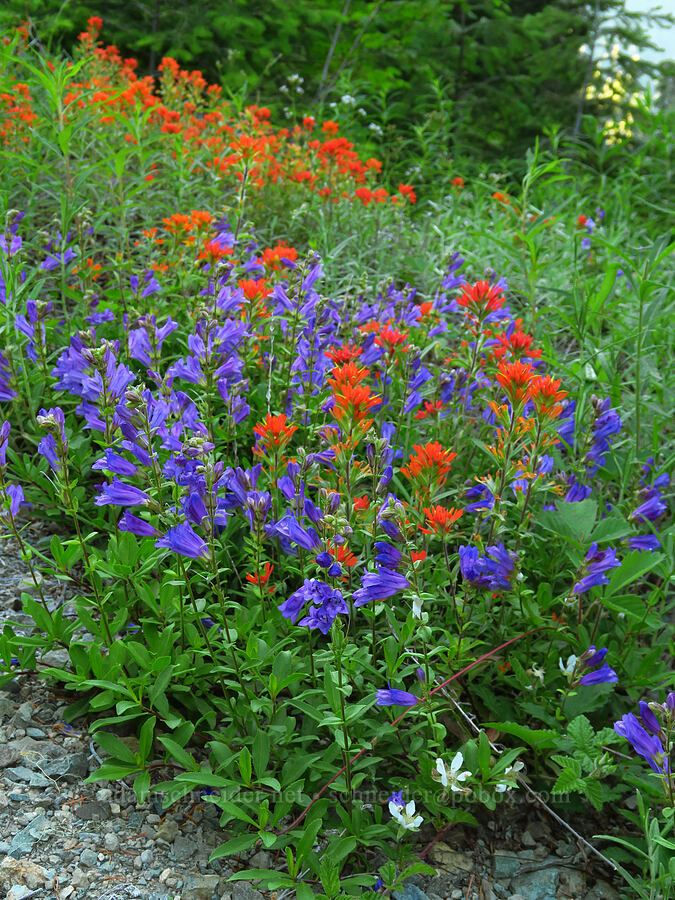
[536, 672]
[405, 815]
[451, 777]
[361, 111]
[375, 128]
[284, 88]
[505, 785]
[568, 668]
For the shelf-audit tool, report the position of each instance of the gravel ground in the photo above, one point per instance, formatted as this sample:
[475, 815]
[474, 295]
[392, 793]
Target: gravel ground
[61, 838]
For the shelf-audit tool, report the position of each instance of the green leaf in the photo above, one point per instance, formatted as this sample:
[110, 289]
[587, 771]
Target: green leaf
[244, 763]
[568, 781]
[484, 755]
[146, 737]
[581, 732]
[160, 685]
[573, 521]
[261, 752]
[111, 771]
[633, 567]
[180, 754]
[113, 746]
[142, 786]
[234, 845]
[330, 876]
[593, 793]
[535, 737]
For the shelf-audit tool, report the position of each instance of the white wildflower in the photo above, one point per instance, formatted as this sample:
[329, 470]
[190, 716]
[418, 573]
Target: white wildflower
[568, 668]
[451, 777]
[405, 815]
[503, 786]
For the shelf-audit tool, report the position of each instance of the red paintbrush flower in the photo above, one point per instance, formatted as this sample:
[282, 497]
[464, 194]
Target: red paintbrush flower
[440, 520]
[481, 298]
[273, 434]
[430, 464]
[545, 393]
[515, 379]
[343, 354]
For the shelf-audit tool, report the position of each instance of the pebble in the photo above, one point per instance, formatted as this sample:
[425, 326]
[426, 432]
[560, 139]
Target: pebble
[527, 840]
[89, 858]
[260, 860]
[146, 857]
[79, 879]
[167, 831]
[17, 891]
[184, 847]
[93, 811]
[111, 841]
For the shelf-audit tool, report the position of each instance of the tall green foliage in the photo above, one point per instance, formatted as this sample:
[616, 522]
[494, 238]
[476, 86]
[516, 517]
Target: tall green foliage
[487, 76]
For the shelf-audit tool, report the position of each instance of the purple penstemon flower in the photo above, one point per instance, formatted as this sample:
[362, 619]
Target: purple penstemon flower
[322, 617]
[593, 570]
[394, 697]
[647, 745]
[113, 462]
[493, 571]
[589, 668]
[312, 591]
[117, 493]
[14, 493]
[135, 525]
[387, 555]
[184, 541]
[379, 586]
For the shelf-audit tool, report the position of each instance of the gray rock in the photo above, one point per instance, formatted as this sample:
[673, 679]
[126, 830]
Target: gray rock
[527, 840]
[22, 842]
[505, 865]
[260, 860]
[242, 891]
[449, 859]
[56, 658]
[7, 707]
[184, 847]
[167, 831]
[72, 767]
[93, 811]
[565, 848]
[17, 892]
[20, 773]
[15, 871]
[88, 858]
[111, 841]
[9, 756]
[539, 885]
[35, 733]
[409, 892]
[572, 884]
[146, 857]
[602, 891]
[79, 879]
[201, 887]
[23, 717]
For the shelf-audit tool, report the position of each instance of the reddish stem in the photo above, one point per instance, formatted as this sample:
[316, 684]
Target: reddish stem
[372, 743]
